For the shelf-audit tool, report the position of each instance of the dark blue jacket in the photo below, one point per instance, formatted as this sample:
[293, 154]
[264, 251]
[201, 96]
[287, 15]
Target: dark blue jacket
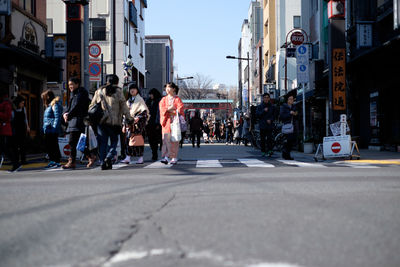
[52, 117]
[263, 116]
[285, 115]
[77, 110]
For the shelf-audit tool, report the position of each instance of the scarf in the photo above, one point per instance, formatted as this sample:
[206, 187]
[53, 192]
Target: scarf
[137, 105]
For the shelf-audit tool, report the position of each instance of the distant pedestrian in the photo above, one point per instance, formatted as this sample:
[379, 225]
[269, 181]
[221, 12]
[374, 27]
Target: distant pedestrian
[170, 108]
[217, 131]
[76, 112]
[266, 115]
[229, 131]
[5, 126]
[288, 114]
[20, 127]
[196, 126]
[135, 131]
[52, 127]
[153, 128]
[246, 136]
[114, 106]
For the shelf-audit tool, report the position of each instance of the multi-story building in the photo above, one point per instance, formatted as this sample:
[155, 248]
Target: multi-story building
[119, 31]
[373, 36]
[256, 34]
[23, 67]
[269, 46]
[159, 61]
[287, 18]
[244, 65]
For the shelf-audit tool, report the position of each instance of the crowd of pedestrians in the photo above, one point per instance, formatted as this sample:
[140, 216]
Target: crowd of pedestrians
[130, 119]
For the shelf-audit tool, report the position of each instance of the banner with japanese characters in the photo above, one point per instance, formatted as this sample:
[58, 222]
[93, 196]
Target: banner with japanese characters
[339, 79]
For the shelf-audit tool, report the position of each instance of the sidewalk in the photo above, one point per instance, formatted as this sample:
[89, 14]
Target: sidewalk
[221, 151]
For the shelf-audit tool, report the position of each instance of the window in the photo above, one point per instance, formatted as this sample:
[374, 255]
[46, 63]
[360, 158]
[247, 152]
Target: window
[135, 38]
[141, 46]
[126, 31]
[29, 6]
[97, 29]
[141, 10]
[266, 28]
[296, 22]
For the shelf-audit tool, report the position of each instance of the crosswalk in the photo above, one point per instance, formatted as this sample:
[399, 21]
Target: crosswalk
[241, 162]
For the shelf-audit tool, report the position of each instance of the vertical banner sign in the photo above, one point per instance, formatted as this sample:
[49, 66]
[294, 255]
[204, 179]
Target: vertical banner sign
[339, 79]
[74, 64]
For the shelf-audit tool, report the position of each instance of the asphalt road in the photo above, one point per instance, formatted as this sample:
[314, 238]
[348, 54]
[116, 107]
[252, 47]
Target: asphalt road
[232, 216]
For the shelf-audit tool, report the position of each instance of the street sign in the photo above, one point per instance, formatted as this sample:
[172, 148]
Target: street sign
[302, 54]
[297, 38]
[60, 46]
[94, 69]
[291, 52]
[336, 146]
[302, 73]
[94, 50]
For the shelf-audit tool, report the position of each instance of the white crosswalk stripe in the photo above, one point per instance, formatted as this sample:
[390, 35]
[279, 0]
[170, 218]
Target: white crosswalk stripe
[256, 163]
[302, 164]
[357, 165]
[158, 165]
[210, 163]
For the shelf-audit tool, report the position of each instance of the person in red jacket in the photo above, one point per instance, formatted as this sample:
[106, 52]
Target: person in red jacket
[5, 124]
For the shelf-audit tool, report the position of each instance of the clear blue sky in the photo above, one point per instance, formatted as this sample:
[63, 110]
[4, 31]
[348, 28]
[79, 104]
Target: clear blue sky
[204, 33]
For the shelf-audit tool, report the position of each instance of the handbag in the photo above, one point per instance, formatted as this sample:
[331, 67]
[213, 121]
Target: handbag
[183, 123]
[95, 113]
[176, 135]
[288, 128]
[81, 143]
[136, 140]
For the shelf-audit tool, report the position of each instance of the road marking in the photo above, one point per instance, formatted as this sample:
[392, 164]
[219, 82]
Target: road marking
[386, 161]
[356, 165]
[278, 264]
[158, 165]
[209, 163]
[256, 163]
[302, 164]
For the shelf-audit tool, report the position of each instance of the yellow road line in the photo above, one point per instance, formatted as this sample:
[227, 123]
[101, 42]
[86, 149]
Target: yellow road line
[372, 161]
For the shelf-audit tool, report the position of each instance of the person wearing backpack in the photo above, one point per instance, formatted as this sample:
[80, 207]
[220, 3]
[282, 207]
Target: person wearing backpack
[52, 127]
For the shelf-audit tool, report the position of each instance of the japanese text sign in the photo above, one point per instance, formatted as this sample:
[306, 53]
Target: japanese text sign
[339, 79]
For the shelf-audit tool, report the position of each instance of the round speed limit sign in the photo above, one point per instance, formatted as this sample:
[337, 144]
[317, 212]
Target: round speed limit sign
[94, 50]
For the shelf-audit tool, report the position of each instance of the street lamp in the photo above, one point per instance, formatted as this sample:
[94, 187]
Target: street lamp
[248, 76]
[182, 78]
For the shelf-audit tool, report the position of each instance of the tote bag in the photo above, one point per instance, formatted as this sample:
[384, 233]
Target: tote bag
[176, 130]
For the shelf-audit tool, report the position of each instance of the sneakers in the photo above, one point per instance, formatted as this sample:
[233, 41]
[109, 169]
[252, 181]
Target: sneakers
[174, 161]
[69, 165]
[270, 153]
[127, 160]
[15, 168]
[263, 154]
[140, 160]
[164, 160]
[53, 165]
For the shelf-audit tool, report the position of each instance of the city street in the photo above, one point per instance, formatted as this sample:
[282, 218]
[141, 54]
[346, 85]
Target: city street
[226, 209]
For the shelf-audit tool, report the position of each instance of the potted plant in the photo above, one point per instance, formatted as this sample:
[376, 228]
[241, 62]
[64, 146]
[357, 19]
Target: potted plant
[308, 144]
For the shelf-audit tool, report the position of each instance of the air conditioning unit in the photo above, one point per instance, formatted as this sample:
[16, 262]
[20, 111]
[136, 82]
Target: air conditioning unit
[336, 9]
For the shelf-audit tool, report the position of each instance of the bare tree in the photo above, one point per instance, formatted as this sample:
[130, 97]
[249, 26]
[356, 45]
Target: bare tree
[196, 88]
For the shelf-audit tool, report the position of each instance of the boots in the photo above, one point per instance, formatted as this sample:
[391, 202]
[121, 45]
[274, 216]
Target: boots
[70, 164]
[92, 160]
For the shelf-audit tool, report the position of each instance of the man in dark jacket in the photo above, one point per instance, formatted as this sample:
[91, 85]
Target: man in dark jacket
[153, 128]
[266, 115]
[196, 126]
[77, 110]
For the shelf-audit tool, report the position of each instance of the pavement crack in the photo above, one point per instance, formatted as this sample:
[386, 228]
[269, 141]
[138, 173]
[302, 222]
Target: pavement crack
[134, 229]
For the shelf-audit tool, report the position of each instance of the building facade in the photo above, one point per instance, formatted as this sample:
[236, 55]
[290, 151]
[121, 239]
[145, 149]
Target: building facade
[244, 65]
[24, 68]
[159, 61]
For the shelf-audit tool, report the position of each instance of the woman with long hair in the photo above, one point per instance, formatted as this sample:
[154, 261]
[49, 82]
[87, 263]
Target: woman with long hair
[135, 131]
[52, 127]
[170, 108]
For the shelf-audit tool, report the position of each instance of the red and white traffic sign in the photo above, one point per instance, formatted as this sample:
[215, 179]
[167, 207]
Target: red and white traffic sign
[94, 69]
[67, 150]
[336, 147]
[297, 38]
[94, 50]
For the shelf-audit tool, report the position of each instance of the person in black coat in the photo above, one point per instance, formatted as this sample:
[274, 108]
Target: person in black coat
[153, 128]
[266, 115]
[288, 114]
[74, 115]
[196, 126]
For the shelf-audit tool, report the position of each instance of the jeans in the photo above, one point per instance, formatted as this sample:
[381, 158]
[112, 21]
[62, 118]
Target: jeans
[266, 133]
[73, 141]
[52, 149]
[105, 132]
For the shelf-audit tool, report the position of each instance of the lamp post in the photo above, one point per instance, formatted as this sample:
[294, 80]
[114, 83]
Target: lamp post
[182, 78]
[248, 76]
